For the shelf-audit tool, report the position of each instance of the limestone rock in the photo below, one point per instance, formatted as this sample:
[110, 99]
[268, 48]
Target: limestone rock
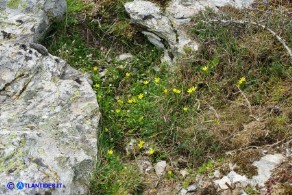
[160, 168]
[192, 188]
[159, 29]
[144, 166]
[163, 28]
[125, 57]
[48, 110]
[28, 20]
[264, 167]
[181, 11]
[48, 120]
[183, 192]
[183, 173]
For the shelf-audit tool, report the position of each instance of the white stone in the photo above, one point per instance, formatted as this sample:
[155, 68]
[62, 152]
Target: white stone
[192, 188]
[183, 172]
[183, 192]
[265, 165]
[125, 56]
[217, 173]
[264, 168]
[222, 182]
[144, 166]
[130, 146]
[160, 168]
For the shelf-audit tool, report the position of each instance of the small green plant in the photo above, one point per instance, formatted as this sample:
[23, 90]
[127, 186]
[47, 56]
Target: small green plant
[206, 167]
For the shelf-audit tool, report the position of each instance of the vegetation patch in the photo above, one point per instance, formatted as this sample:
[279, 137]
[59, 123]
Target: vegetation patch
[239, 80]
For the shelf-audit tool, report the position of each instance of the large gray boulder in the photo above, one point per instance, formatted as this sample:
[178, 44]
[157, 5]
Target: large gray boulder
[48, 111]
[28, 20]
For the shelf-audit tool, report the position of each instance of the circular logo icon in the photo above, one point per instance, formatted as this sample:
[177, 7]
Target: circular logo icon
[20, 185]
[10, 185]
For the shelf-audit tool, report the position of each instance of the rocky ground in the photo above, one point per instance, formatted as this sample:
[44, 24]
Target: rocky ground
[195, 96]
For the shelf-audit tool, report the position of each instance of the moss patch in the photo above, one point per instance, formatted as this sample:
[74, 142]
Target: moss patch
[244, 161]
[13, 4]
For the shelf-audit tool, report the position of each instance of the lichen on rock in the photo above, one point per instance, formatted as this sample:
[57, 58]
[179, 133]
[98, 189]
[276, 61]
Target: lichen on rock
[48, 120]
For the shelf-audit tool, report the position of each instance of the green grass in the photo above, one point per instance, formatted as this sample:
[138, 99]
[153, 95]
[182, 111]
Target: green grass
[158, 107]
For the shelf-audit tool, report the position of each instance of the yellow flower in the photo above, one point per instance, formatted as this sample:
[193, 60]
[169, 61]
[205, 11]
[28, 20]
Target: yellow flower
[141, 118]
[95, 68]
[120, 101]
[165, 90]
[169, 172]
[156, 80]
[192, 89]
[106, 129]
[205, 68]
[185, 109]
[141, 143]
[146, 82]
[99, 97]
[150, 151]
[241, 81]
[96, 85]
[176, 91]
[118, 111]
[140, 96]
[110, 152]
[132, 100]
[128, 74]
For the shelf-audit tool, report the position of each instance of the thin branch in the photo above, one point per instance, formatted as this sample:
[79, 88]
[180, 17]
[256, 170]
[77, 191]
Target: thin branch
[248, 103]
[281, 40]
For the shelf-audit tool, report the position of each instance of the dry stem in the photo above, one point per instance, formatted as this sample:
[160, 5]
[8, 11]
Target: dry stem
[281, 40]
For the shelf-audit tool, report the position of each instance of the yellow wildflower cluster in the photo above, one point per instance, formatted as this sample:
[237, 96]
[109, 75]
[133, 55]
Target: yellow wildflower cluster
[165, 90]
[95, 68]
[150, 151]
[156, 80]
[176, 91]
[120, 101]
[97, 85]
[192, 89]
[241, 81]
[118, 111]
[132, 100]
[128, 74]
[110, 152]
[185, 109]
[204, 68]
[141, 144]
[145, 82]
[140, 96]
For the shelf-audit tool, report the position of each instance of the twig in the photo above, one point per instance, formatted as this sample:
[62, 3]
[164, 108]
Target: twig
[213, 109]
[277, 143]
[248, 103]
[262, 26]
